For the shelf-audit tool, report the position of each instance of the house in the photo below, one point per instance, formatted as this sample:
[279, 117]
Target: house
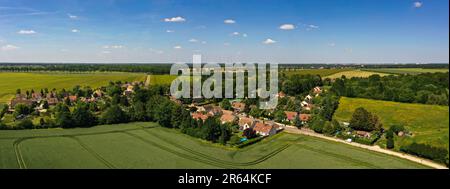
[317, 90]
[277, 126]
[305, 105]
[213, 110]
[227, 112]
[304, 117]
[97, 93]
[308, 98]
[52, 101]
[72, 98]
[281, 94]
[21, 96]
[227, 118]
[238, 106]
[245, 123]
[264, 129]
[36, 97]
[199, 115]
[16, 101]
[363, 134]
[290, 116]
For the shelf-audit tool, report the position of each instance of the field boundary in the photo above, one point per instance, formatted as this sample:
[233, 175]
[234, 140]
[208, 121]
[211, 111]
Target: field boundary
[429, 163]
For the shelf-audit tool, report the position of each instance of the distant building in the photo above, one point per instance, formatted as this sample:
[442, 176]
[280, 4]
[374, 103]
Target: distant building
[238, 106]
[245, 123]
[227, 118]
[264, 129]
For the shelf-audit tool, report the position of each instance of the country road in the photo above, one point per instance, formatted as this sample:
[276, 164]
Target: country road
[294, 130]
[147, 81]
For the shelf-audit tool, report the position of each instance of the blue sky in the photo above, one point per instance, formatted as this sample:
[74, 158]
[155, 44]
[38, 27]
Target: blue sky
[281, 31]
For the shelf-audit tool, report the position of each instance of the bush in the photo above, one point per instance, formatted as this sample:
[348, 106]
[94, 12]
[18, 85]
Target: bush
[427, 151]
[234, 140]
[397, 128]
[250, 142]
[25, 124]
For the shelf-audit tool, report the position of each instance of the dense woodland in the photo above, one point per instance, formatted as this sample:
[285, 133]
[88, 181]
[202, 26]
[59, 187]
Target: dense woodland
[426, 88]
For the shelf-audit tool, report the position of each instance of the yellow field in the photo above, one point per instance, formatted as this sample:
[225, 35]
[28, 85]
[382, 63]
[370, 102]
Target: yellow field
[354, 73]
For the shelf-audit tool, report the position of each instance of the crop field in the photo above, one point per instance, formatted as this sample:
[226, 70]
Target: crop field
[406, 70]
[321, 72]
[428, 123]
[9, 81]
[354, 73]
[146, 145]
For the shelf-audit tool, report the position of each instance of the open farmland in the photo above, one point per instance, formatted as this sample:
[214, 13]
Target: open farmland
[146, 145]
[354, 73]
[428, 123]
[321, 72]
[9, 81]
[412, 71]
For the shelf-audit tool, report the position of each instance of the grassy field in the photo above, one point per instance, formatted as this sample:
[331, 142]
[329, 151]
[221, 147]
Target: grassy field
[9, 81]
[406, 70]
[161, 79]
[321, 72]
[145, 145]
[428, 123]
[354, 73]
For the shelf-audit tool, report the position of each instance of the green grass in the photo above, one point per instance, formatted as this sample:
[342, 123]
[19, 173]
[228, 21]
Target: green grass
[354, 73]
[428, 123]
[146, 145]
[321, 72]
[37, 81]
[406, 70]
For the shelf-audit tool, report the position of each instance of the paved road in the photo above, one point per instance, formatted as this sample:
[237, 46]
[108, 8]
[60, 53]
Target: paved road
[294, 130]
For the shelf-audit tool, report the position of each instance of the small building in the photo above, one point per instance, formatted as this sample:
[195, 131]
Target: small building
[16, 101]
[290, 116]
[238, 106]
[212, 110]
[245, 123]
[264, 129]
[304, 117]
[308, 98]
[281, 94]
[363, 134]
[52, 101]
[199, 115]
[317, 90]
[227, 118]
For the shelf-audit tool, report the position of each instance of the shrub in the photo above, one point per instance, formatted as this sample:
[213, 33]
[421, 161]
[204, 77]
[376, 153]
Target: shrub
[397, 128]
[25, 124]
[427, 151]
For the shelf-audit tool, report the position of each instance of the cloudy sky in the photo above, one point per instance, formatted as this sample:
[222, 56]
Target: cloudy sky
[282, 31]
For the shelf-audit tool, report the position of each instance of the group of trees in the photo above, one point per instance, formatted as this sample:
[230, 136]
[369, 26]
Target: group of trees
[426, 88]
[300, 84]
[147, 68]
[365, 121]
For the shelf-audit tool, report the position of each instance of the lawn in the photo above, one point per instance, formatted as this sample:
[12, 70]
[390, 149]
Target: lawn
[9, 81]
[354, 73]
[406, 70]
[321, 72]
[146, 145]
[428, 123]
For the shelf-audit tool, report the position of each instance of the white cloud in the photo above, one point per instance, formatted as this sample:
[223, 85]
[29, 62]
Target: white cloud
[9, 48]
[313, 26]
[203, 42]
[235, 33]
[71, 16]
[287, 27]
[269, 41]
[26, 32]
[113, 46]
[229, 21]
[244, 35]
[177, 47]
[418, 4]
[175, 19]
[170, 31]
[193, 40]
[75, 30]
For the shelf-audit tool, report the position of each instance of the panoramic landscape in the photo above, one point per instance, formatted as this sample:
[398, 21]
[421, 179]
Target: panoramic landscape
[79, 92]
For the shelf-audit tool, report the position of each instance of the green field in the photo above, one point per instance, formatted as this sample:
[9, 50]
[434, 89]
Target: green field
[9, 81]
[146, 145]
[406, 70]
[161, 79]
[428, 123]
[354, 73]
[321, 72]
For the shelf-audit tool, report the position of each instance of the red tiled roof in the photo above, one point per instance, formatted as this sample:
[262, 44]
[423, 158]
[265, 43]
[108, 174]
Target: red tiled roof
[290, 115]
[262, 128]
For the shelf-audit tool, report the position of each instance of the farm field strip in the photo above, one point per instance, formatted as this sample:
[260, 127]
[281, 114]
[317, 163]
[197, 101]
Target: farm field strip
[354, 73]
[406, 70]
[155, 147]
[10, 81]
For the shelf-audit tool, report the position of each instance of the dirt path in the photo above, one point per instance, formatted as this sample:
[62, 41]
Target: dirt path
[294, 130]
[147, 81]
